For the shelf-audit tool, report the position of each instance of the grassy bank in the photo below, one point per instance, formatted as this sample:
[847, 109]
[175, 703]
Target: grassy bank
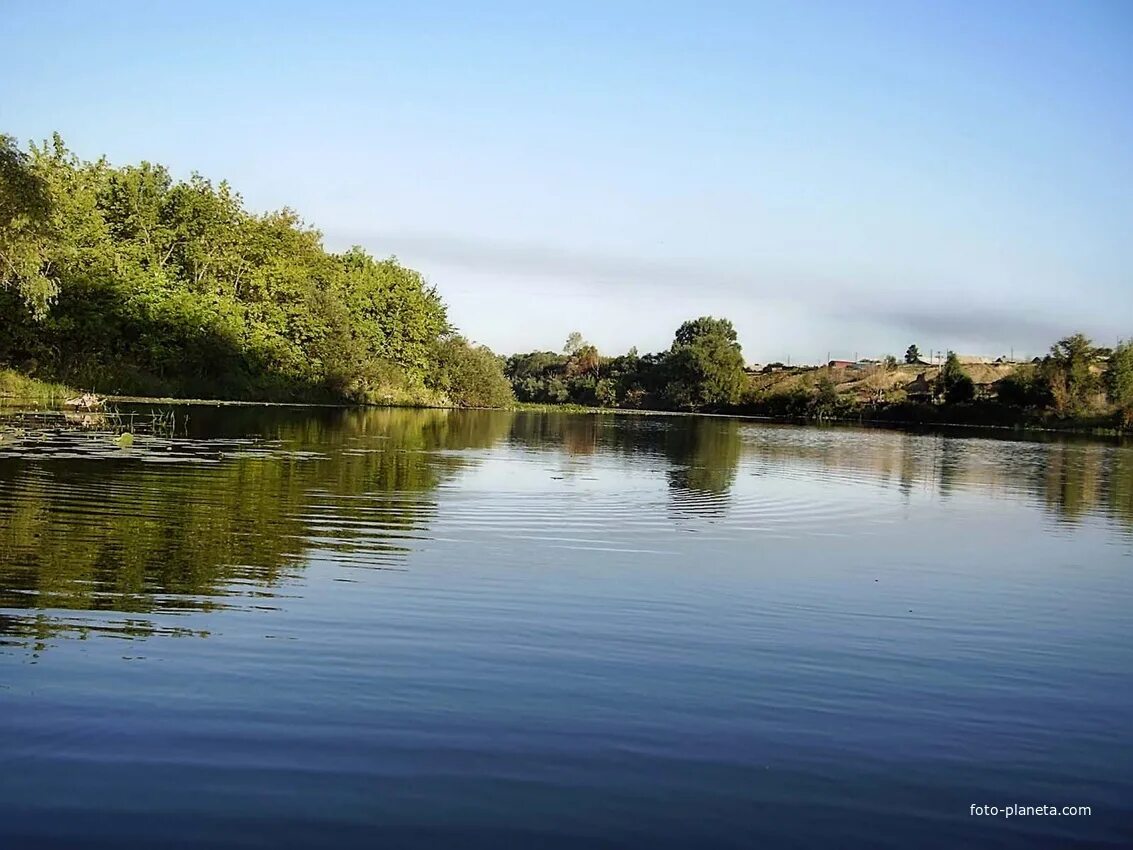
[20, 389]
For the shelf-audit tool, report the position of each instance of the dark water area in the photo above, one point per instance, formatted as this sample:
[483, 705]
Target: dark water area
[280, 628]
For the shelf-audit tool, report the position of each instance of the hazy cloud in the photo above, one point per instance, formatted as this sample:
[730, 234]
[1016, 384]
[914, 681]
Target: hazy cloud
[929, 312]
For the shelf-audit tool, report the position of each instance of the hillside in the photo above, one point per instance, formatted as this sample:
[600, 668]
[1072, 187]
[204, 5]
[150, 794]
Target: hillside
[869, 384]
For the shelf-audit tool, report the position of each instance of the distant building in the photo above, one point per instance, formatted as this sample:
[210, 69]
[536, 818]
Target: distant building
[921, 390]
[840, 364]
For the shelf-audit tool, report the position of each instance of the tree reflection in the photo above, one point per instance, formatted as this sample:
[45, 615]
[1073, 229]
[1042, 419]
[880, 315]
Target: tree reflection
[704, 454]
[144, 534]
[211, 518]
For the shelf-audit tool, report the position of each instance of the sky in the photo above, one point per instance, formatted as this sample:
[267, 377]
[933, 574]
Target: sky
[837, 178]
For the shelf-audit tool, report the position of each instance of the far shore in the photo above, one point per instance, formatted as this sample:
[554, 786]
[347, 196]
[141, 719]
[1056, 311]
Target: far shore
[11, 403]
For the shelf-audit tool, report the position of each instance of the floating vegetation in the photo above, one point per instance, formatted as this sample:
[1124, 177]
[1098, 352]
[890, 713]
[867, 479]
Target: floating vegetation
[86, 401]
[20, 426]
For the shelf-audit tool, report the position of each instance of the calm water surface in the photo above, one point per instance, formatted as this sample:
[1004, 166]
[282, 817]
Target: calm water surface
[284, 629]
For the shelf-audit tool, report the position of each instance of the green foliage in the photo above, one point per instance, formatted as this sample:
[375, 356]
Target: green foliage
[606, 393]
[1026, 387]
[127, 280]
[662, 381]
[1070, 370]
[21, 389]
[583, 377]
[912, 354]
[954, 383]
[705, 365]
[470, 376]
[826, 397]
[25, 229]
[1119, 380]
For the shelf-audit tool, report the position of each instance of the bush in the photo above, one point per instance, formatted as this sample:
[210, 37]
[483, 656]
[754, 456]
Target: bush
[1025, 387]
[470, 376]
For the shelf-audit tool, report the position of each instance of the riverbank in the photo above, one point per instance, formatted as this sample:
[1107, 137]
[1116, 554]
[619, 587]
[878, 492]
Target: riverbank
[20, 390]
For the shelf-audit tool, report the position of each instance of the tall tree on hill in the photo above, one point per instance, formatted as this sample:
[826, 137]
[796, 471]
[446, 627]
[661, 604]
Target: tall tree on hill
[954, 383]
[912, 354]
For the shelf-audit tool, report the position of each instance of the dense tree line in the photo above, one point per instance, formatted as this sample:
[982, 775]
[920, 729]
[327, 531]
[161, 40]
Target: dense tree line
[1076, 379]
[123, 279]
[126, 280]
[702, 370]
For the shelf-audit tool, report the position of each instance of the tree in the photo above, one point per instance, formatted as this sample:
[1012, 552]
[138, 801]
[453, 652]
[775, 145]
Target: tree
[1070, 369]
[470, 376]
[1119, 380]
[705, 365]
[953, 382]
[573, 343]
[606, 392]
[890, 362]
[912, 355]
[1025, 387]
[25, 229]
[124, 279]
[825, 401]
[584, 361]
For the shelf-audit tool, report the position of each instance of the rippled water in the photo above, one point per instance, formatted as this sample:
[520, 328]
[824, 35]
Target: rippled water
[296, 628]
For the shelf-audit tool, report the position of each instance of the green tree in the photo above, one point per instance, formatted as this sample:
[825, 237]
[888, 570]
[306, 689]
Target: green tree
[705, 365]
[25, 229]
[953, 382]
[606, 393]
[1070, 370]
[1025, 387]
[123, 279]
[470, 375]
[912, 354]
[825, 401]
[573, 343]
[1119, 380]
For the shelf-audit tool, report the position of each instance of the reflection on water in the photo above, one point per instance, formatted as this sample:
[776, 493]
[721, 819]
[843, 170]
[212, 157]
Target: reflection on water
[220, 514]
[292, 628]
[191, 522]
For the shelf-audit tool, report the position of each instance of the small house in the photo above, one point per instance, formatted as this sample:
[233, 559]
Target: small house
[921, 390]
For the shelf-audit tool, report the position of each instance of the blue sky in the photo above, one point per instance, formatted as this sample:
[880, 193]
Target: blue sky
[833, 177]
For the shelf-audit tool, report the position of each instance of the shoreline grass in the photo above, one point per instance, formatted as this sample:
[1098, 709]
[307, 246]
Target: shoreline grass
[20, 389]
[17, 390]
